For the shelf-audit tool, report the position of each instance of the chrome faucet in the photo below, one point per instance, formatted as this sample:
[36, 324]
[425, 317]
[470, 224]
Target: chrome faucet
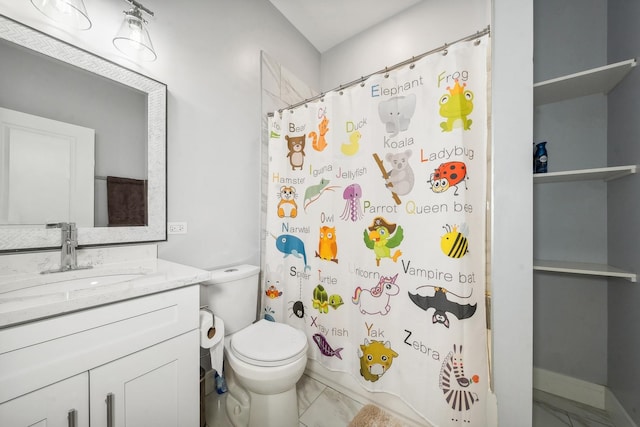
[68, 256]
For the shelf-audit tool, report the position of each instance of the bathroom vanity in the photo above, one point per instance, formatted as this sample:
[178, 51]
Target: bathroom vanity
[115, 345]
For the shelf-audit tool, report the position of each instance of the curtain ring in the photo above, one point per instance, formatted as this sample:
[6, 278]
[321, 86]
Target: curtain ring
[413, 65]
[362, 81]
[477, 42]
[444, 50]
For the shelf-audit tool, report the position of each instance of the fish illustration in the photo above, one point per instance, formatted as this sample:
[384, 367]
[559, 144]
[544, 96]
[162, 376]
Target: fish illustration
[292, 245]
[325, 348]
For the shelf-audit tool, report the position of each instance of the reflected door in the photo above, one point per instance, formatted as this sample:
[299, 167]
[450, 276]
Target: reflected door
[47, 171]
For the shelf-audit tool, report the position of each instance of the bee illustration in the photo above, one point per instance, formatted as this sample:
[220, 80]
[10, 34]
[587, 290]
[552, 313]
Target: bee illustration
[454, 243]
[448, 175]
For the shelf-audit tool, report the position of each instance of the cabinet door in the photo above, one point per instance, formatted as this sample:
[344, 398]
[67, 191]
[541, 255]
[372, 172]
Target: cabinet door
[157, 386]
[63, 404]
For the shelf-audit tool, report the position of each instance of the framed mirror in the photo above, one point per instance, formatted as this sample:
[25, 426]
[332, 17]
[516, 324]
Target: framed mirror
[126, 112]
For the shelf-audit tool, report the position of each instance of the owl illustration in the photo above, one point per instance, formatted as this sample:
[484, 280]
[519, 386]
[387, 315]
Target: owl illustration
[327, 246]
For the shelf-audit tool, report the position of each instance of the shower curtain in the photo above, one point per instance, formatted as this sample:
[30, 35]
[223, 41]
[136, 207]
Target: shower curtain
[376, 231]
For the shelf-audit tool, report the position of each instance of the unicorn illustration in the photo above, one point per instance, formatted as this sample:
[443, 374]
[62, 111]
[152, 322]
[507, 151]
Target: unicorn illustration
[376, 299]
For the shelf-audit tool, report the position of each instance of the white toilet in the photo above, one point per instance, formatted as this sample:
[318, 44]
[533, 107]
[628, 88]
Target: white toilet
[263, 360]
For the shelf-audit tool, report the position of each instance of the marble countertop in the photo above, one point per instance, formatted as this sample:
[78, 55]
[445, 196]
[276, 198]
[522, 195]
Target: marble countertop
[30, 296]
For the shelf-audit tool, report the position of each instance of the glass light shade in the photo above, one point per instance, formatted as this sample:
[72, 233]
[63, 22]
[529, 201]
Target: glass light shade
[70, 13]
[133, 38]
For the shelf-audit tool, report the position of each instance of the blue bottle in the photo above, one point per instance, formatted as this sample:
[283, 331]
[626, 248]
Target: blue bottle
[540, 158]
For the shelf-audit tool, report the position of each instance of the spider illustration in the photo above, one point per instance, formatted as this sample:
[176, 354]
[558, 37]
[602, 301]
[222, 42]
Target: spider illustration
[298, 309]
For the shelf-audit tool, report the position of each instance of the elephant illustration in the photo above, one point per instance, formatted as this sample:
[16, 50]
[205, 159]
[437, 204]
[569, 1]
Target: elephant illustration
[396, 113]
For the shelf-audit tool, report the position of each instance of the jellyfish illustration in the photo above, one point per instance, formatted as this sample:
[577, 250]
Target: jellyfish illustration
[352, 210]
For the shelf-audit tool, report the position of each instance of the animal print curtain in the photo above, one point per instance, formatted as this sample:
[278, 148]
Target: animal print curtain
[377, 236]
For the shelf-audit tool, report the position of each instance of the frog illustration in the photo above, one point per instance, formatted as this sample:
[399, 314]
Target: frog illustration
[456, 105]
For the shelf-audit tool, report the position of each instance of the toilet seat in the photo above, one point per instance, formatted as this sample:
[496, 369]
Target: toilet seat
[267, 343]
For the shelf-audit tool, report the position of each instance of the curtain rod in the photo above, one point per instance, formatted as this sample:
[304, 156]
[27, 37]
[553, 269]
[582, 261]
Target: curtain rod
[475, 35]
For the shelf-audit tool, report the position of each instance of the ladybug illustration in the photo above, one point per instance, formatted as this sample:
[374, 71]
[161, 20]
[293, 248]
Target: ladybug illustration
[448, 175]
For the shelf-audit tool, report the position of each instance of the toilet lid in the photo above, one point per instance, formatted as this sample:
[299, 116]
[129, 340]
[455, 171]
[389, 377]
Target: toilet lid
[267, 343]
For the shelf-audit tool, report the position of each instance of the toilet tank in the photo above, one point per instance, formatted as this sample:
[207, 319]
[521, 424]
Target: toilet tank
[232, 295]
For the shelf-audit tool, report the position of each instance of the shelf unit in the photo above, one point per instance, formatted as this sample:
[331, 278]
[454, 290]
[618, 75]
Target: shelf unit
[605, 174]
[583, 268]
[589, 82]
[596, 80]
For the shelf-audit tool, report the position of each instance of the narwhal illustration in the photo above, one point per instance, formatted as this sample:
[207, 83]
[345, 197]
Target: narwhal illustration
[292, 245]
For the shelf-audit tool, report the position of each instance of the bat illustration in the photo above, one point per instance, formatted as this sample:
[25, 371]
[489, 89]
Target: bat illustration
[442, 306]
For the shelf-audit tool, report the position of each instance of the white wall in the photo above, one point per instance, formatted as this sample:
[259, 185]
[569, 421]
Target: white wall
[427, 25]
[624, 210]
[511, 256]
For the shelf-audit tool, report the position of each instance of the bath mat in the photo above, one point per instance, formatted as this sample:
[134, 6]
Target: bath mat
[372, 416]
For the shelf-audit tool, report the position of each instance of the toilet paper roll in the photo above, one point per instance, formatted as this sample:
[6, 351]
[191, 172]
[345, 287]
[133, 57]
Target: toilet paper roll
[208, 332]
[212, 338]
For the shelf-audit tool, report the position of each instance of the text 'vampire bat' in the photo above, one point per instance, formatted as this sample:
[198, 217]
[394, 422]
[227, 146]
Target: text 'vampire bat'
[442, 306]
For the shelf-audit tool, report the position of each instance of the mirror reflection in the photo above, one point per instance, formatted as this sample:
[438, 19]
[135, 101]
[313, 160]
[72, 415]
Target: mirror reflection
[84, 142]
[45, 96]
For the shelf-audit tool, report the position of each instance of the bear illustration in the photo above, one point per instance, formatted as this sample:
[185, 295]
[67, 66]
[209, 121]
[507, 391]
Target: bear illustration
[295, 144]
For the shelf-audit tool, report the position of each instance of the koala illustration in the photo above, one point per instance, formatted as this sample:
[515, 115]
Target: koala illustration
[287, 205]
[401, 177]
[295, 144]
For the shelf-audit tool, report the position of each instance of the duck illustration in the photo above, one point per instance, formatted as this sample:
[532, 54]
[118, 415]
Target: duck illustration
[353, 146]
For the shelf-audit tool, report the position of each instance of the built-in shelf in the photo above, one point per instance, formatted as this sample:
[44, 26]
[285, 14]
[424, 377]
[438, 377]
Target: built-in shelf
[606, 174]
[583, 268]
[596, 80]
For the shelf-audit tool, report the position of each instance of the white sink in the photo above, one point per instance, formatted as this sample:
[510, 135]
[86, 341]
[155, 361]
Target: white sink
[70, 285]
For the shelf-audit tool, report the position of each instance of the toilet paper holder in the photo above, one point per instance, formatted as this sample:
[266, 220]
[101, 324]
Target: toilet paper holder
[212, 330]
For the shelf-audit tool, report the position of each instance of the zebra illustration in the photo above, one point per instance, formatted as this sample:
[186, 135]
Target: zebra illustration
[454, 384]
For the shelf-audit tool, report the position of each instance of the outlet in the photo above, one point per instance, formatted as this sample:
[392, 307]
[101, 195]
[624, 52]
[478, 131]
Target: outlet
[177, 228]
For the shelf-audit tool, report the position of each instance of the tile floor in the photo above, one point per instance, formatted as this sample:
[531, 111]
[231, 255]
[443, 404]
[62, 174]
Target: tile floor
[322, 406]
[554, 411]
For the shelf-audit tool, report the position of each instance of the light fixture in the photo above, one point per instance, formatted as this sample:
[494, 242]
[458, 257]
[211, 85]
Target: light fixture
[133, 38]
[70, 13]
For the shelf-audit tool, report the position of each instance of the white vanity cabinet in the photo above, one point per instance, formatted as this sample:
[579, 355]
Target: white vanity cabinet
[129, 363]
[148, 388]
[63, 404]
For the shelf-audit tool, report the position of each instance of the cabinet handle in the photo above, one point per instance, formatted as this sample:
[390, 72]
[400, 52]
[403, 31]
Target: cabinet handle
[110, 409]
[72, 417]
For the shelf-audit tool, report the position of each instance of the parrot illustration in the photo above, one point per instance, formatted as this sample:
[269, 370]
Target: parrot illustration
[381, 238]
